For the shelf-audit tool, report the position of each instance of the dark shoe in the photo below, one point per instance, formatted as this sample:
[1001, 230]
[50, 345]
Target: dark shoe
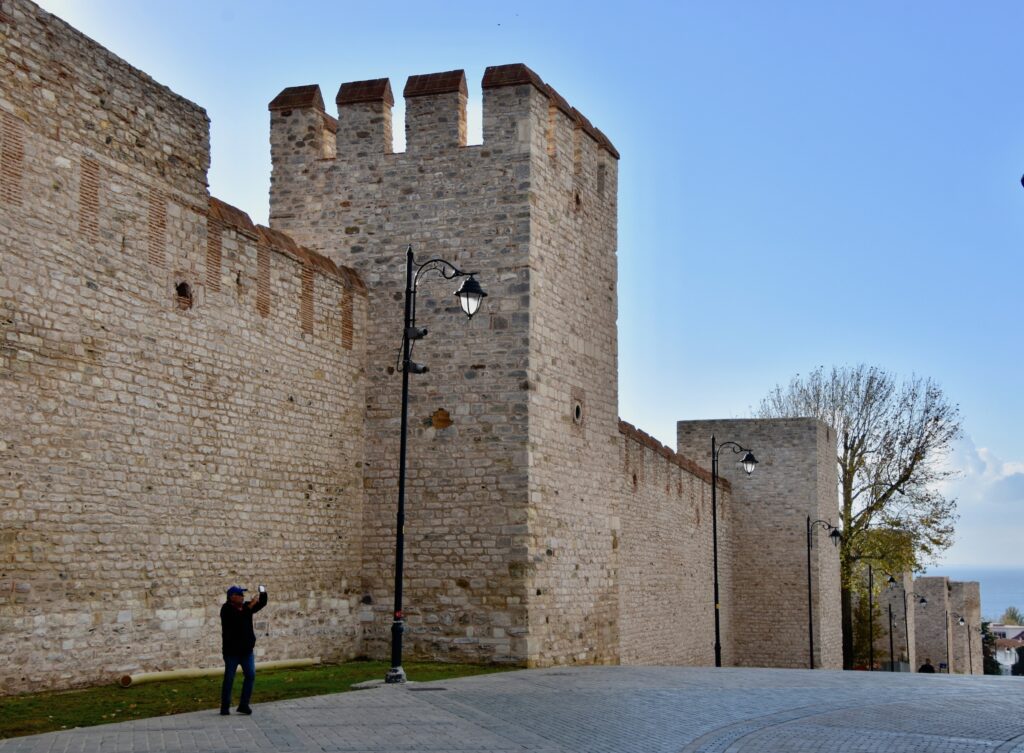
[225, 712]
[244, 710]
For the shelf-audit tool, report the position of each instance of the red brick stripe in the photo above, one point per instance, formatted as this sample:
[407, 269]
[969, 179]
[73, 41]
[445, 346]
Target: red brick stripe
[89, 200]
[214, 231]
[12, 159]
[347, 327]
[263, 280]
[306, 305]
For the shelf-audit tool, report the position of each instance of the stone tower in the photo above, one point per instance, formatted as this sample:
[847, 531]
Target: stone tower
[512, 442]
[767, 548]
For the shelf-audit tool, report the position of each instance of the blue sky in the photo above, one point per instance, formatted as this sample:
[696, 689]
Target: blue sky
[801, 183]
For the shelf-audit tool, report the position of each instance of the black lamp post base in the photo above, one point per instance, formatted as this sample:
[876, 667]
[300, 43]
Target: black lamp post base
[394, 675]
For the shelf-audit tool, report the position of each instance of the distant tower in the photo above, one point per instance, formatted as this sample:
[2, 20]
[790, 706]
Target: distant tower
[766, 547]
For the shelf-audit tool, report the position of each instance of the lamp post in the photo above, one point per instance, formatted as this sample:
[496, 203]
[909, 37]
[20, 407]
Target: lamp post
[871, 619]
[836, 537]
[970, 650]
[892, 659]
[470, 296]
[749, 462]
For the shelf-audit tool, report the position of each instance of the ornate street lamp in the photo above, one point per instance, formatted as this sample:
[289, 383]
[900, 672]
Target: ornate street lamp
[836, 537]
[749, 462]
[470, 296]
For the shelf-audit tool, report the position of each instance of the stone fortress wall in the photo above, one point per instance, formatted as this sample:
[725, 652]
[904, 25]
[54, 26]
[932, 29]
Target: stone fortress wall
[965, 640]
[934, 628]
[666, 596]
[190, 400]
[550, 521]
[898, 599]
[181, 391]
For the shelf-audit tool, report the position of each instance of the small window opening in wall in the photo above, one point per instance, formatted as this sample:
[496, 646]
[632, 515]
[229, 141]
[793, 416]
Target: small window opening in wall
[183, 294]
[635, 481]
[579, 201]
[577, 412]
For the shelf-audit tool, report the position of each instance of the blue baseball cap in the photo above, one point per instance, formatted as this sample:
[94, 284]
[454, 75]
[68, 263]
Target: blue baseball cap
[236, 590]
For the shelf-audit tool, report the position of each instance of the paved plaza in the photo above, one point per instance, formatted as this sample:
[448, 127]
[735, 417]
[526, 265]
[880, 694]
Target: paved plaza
[603, 709]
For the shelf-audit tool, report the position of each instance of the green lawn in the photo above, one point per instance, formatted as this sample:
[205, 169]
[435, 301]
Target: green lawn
[45, 712]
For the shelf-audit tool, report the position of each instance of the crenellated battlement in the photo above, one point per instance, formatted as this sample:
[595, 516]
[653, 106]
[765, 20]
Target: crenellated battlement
[435, 115]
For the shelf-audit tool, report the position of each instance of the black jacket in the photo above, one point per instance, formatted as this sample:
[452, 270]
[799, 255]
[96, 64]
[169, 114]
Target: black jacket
[237, 635]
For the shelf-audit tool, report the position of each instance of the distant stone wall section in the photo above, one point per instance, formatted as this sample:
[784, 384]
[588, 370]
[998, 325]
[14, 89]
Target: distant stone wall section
[905, 608]
[965, 640]
[796, 478]
[932, 635]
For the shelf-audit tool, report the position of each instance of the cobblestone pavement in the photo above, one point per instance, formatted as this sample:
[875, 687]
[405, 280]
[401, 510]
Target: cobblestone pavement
[603, 709]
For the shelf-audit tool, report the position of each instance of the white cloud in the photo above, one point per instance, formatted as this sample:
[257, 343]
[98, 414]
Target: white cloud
[990, 495]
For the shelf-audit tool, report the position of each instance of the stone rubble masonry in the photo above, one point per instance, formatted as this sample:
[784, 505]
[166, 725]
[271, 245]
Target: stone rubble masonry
[511, 496]
[932, 628]
[965, 640]
[767, 513]
[164, 435]
[938, 632]
[666, 598]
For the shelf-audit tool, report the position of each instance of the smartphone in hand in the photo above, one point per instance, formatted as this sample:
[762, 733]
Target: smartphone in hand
[261, 588]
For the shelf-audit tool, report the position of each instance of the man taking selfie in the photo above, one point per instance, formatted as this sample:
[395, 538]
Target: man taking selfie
[239, 640]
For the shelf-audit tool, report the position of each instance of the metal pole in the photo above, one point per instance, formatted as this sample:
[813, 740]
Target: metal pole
[906, 625]
[810, 606]
[970, 654]
[396, 674]
[714, 546]
[949, 666]
[871, 618]
[892, 651]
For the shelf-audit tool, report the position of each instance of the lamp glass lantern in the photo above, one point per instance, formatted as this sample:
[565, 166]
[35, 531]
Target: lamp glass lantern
[470, 296]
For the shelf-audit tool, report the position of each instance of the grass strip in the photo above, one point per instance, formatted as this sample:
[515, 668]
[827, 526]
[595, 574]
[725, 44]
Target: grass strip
[33, 713]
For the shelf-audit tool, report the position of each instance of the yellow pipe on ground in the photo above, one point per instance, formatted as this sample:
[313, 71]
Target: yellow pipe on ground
[127, 681]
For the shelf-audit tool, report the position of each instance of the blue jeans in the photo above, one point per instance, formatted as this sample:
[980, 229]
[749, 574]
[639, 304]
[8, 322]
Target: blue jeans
[231, 663]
